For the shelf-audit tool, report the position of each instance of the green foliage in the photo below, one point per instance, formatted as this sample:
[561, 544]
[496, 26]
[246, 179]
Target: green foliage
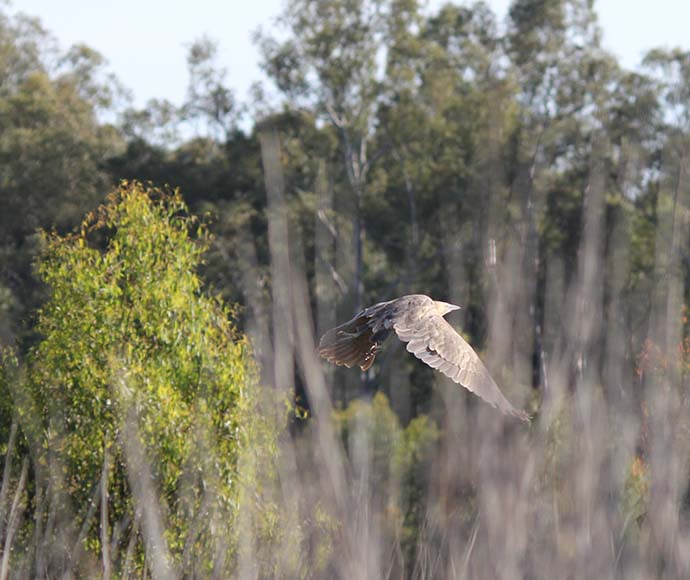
[52, 153]
[375, 423]
[129, 335]
[636, 492]
[422, 151]
[396, 463]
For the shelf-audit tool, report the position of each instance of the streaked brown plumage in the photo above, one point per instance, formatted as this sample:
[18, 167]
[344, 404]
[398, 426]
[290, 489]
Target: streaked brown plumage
[418, 321]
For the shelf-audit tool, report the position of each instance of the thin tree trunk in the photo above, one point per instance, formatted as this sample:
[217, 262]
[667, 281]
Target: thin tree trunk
[326, 277]
[116, 535]
[42, 498]
[412, 248]
[355, 167]
[7, 469]
[358, 238]
[146, 499]
[283, 344]
[13, 521]
[77, 550]
[129, 554]
[105, 545]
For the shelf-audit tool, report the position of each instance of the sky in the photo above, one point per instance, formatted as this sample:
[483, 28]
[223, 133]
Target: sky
[145, 40]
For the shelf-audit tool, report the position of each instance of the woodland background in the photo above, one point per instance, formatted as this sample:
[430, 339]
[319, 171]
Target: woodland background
[162, 411]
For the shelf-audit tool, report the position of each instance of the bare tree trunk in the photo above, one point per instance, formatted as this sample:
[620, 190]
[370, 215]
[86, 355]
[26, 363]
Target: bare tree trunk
[527, 356]
[356, 169]
[129, 553]
[146, 499]
[358, 241]
[532, 266]
[668, 415]
[6, 471]
[412, 248]
[38, 543]
[283, 361]
[589, 310]
[13, 521]
[328, 282]
[251, 283]
[105, 545]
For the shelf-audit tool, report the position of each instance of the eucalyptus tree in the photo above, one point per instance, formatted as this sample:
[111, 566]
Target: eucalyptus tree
[445, 110]
[53, 150]
[210, 100]
[331, 62]
[138, 401]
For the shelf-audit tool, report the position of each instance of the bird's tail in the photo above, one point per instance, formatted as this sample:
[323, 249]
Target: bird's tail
[349, 344]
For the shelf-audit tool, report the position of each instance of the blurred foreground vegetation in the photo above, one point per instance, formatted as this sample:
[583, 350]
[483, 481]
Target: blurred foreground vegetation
[162, 411]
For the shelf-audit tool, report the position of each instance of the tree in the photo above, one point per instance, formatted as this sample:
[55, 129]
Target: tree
[52, 152]
[330, 63]
[209, 99]
[140, 381]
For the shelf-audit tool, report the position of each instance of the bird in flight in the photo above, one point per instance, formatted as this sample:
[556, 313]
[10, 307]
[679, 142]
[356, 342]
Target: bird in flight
[417, 320]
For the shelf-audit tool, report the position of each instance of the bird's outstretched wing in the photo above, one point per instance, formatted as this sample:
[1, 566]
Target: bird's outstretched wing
[435, 342]
[353, 343]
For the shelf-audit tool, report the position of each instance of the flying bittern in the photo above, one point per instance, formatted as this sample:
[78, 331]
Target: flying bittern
[418, 321]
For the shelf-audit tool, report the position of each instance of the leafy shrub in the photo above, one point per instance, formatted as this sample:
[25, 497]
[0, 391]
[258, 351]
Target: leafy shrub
[140, 376]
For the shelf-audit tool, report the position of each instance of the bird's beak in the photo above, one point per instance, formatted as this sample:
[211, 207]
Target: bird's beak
[444, 308]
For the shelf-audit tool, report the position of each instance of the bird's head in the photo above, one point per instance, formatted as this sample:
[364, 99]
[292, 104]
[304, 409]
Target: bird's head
[444, 308]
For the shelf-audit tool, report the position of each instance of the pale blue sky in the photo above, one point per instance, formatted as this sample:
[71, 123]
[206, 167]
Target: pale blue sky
[145, 40]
